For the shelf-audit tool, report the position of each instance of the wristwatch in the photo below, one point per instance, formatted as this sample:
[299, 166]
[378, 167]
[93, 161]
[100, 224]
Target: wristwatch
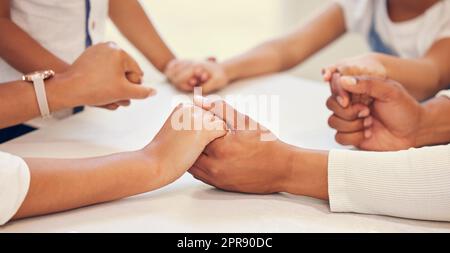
[38, 78]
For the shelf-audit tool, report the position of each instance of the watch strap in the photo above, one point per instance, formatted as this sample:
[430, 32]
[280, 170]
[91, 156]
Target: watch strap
[41, 95]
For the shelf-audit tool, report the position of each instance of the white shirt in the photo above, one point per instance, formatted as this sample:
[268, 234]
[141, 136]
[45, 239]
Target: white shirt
[14, 184]
[411, 184]
[409, 39]
[59, 26]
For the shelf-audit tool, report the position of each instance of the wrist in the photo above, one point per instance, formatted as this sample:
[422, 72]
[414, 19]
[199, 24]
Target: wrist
[230, 71]
[60, 92]
[433, 128]
[149, 158]
[163, 68]
[307, 173]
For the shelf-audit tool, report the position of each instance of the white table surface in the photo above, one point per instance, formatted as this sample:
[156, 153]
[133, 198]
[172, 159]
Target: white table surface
[188, 205]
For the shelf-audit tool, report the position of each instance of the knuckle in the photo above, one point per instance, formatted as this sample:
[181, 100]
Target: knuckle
[340, 139]
[332, 121]
[215, 172]
[329, 103]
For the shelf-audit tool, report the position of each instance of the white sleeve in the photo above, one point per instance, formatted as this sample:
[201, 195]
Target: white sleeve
[444, 93]
[14, 184]
[444, 24]
[358, 15]
[411, 184]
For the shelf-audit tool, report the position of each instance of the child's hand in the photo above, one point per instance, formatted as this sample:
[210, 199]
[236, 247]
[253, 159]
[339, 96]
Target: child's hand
[107, 76]
[218, 78]
[366, 65]
[182, 140]
[185, 75]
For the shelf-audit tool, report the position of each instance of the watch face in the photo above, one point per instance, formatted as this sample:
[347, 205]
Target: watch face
[44, 75]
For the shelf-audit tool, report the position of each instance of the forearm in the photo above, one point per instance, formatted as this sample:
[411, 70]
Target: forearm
[23, 53]
[419, 76]
[435, 123]
[286, 52]
[19, 103]
[59, 185]
[132, 21]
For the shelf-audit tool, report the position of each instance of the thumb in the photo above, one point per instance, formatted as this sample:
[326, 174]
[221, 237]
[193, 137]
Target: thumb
[232, 117]
[131, 67]
[140, 91]
[374, 87]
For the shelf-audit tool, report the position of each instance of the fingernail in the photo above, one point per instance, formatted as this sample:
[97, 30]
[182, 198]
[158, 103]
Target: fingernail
[367, 134]
[368, 122]
[349, 80]
[340, 101]
[364, 113]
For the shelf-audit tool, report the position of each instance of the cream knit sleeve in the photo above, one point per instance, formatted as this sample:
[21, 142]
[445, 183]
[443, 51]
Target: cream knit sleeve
[410, 184]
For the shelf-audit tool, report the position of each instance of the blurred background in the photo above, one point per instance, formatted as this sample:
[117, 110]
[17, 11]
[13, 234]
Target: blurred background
[222, 28]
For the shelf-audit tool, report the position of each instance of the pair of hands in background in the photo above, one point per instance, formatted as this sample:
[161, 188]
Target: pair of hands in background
[380, 119]
[185, 75]
[370, 111]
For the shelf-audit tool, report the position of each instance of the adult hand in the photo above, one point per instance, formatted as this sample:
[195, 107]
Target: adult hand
[241, 161]
[395, 115]
[107, 76]
[365, 65]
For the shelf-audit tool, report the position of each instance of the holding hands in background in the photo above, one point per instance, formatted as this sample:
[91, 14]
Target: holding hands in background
[365, 65]
[186, 75]
[396, 122]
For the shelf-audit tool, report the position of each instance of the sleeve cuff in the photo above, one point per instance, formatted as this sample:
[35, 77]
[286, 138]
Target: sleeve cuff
[14, 185]
[337, 188]
[444, 93]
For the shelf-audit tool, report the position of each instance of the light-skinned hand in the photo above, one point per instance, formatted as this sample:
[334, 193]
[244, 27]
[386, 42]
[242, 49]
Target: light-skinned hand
[176, 149]
[106, 76]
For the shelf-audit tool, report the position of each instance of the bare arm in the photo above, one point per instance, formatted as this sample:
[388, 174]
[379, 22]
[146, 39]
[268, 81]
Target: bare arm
[133, 22]
[18, 101]
[20, 50]
[58, 185]
[62, 184]
[100, 76]
[288, 51]
[421, 77]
